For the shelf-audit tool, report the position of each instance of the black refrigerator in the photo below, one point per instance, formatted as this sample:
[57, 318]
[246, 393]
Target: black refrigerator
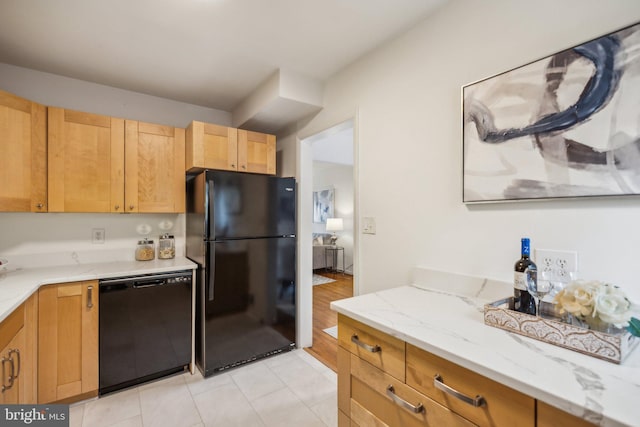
[241, 233]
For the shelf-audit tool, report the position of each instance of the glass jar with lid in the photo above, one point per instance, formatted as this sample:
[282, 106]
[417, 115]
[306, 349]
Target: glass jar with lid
[166, 247]
[145, 250]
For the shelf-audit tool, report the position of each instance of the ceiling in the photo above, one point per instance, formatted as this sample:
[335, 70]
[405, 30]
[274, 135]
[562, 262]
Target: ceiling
[212, 53]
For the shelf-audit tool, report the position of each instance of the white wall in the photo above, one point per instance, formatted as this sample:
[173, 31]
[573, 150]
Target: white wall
[65, 238]
[407, 97]
[58, 91]
[340, 178]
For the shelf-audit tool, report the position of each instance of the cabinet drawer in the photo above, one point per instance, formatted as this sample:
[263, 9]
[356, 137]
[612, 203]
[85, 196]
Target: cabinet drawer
[382, 395]
[503, 405]
[381, 350]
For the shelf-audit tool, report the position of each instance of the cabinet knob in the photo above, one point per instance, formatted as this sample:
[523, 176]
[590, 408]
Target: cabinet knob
[233, 165]
[117, 207]
[39, 205]
[131, 207]
[244, 167]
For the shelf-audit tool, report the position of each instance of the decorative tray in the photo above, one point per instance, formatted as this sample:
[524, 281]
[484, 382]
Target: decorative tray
[610, 347]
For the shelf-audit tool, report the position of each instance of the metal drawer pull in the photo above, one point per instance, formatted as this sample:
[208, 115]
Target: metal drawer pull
[11, 376]
[371, 348]
[400, 401]
[4, 387]
[90, 297]
[17, 353]
[439, 384]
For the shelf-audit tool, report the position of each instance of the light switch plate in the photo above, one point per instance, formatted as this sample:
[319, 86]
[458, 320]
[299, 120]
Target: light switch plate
[368, 225]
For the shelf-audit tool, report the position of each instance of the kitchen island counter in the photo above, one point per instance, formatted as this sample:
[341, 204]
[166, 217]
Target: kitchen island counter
[442, 313]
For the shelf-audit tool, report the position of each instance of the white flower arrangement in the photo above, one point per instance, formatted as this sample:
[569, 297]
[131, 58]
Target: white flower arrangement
[595, 303]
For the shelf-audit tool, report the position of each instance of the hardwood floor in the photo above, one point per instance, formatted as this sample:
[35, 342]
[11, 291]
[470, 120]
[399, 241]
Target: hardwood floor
[325, 347]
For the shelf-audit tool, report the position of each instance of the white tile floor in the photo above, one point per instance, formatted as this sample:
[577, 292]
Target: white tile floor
[291, 389]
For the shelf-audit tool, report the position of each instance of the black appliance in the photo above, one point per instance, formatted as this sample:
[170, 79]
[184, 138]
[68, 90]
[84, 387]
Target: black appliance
[241, 233]
[145, 328]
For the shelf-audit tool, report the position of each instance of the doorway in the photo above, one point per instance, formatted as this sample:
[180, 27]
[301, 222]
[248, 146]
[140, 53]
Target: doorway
[331, 178]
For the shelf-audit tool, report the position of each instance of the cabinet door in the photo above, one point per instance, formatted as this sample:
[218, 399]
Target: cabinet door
[23, 163]
[86, 162]
[256, 152]
[67, 341]
[154, 168]
[12, 371]
[211, 146]
[12, 342]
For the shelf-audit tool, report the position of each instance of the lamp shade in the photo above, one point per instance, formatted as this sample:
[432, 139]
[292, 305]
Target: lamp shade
[334, 224]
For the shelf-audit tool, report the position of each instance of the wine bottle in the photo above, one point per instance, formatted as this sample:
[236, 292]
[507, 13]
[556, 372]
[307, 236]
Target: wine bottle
[523, 301]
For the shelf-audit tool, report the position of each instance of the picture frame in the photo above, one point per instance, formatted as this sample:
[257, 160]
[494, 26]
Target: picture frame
[323, 205]
[564, 126]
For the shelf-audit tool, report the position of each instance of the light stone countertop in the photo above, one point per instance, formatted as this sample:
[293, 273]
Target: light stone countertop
[443, 313]
[18, 284]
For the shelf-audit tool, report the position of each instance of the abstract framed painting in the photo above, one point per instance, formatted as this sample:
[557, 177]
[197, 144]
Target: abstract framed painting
[322, 205]
[564, 126]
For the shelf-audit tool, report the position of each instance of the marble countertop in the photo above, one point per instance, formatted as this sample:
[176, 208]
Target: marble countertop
[443, 314]
[18, 284]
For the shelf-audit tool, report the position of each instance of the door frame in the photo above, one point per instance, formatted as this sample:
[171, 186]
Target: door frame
[304, 172]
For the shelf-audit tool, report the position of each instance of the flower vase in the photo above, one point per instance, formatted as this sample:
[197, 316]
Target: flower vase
[575, 321]
[593, 323]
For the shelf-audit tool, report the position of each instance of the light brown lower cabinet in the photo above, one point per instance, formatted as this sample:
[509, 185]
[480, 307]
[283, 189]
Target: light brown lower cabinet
[17, 355]
[68, 342]
[383, 383]
[548, 416]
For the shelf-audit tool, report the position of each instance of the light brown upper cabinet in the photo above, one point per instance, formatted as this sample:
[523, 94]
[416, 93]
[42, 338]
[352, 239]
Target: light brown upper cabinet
[256, 152]
[95, 165]
[210, 146]
[86, 162]
[23, 163]
[154, 168]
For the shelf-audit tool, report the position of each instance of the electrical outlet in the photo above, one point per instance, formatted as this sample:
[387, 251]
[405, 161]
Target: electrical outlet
[97, 235]
[559, 263]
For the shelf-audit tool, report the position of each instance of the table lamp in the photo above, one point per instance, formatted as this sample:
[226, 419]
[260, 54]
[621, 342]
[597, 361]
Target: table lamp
[334, 224]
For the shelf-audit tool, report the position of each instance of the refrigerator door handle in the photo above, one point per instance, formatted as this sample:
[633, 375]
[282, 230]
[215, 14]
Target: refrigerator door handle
[212, 275]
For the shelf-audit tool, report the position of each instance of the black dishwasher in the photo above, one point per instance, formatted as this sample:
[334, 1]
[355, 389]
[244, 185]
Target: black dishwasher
[145, 328]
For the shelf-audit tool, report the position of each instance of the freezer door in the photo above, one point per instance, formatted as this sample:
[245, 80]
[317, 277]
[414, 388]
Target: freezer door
[243, 205]
[248, 301]
[196, 217]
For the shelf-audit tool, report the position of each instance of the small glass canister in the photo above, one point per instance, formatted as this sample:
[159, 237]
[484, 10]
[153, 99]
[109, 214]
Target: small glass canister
[166, 247]
[145, 250]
